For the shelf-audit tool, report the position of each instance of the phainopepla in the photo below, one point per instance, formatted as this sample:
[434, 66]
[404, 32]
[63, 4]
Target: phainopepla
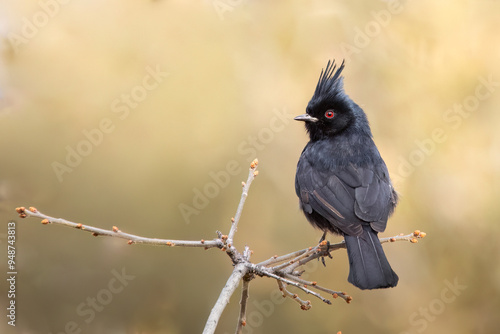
[342, 182]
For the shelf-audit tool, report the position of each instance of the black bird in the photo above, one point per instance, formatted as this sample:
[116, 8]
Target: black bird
[342, 182]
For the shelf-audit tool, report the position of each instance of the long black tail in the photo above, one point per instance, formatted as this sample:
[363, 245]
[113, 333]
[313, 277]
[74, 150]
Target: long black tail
[369, 268]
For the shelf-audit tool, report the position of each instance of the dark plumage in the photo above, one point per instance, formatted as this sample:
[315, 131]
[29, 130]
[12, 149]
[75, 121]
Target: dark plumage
[342, 182]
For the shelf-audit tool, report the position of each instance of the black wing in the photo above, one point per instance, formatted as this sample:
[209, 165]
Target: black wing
[347, 198]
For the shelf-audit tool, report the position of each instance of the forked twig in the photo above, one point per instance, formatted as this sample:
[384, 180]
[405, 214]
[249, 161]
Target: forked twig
[304, 304]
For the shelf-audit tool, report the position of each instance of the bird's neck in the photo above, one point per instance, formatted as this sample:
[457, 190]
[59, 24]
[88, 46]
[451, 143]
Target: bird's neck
[343, 149]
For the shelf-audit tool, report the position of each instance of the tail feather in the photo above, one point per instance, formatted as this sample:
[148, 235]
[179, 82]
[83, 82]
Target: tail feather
[369, 268]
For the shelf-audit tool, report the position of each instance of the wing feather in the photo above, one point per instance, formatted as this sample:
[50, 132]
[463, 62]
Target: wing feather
[347, 198]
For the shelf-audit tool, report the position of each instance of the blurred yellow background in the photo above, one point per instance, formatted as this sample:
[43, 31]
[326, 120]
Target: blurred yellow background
[124, 112]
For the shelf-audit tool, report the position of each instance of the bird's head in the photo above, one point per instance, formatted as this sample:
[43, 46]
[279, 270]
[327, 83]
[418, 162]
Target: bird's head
[330, 111]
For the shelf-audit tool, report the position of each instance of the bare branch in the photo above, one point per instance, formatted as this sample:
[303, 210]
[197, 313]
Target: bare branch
[412, 237]
[298, 261]
[314, 284]
[225, 242]
[239, 271]
[278, 259]
[265, 272]
[324, 249]
[252, 173]
[284, 269]
[304, 304]
[242, 319]
[301, 257]
[115, 232]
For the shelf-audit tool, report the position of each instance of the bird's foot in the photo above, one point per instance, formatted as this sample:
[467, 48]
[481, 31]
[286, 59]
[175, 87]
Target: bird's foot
[325, 247]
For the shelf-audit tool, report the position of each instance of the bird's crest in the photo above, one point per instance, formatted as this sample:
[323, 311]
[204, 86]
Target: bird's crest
[330, 80]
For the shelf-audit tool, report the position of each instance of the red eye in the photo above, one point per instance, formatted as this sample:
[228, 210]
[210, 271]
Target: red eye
[329, 114]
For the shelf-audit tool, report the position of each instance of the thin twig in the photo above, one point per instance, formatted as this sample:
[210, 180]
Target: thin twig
[117, 233]
[314, 284]
[233, 253]
[412, 237]
[264, 272]
[278, 259]
[297, 259]
[247, 253]
[242, 319]
[304, 304]
[252, 173]
[232, 283]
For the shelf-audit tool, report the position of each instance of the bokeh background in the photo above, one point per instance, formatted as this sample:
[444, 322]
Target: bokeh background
[180, 92]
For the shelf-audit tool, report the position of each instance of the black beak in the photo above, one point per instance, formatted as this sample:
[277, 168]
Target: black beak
[306, 118]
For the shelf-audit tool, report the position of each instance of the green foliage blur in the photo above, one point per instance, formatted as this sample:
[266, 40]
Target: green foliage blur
[147, 114]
